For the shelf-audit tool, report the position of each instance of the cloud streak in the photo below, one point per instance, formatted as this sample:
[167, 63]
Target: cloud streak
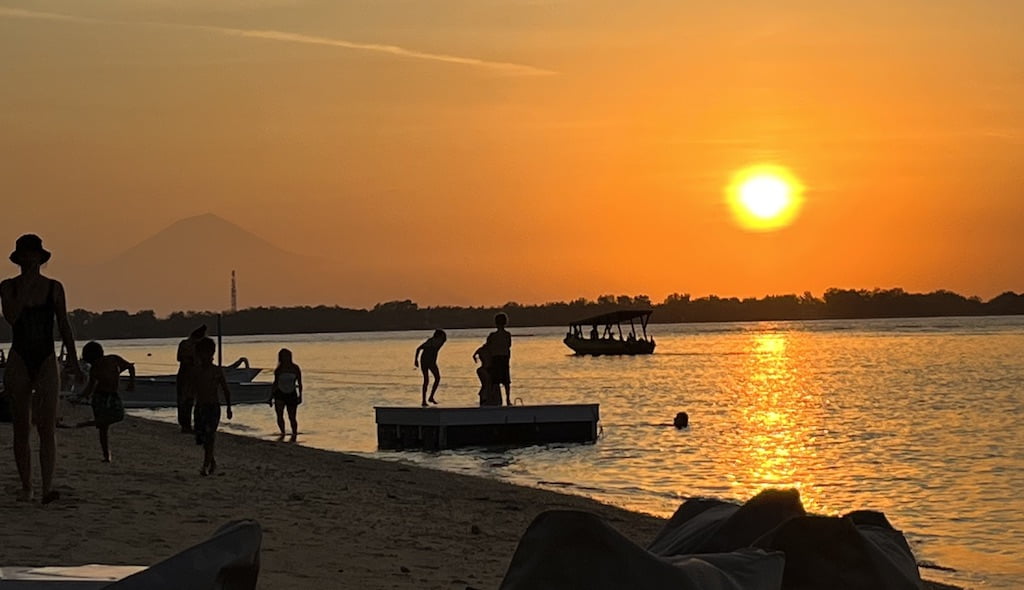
[507, 68]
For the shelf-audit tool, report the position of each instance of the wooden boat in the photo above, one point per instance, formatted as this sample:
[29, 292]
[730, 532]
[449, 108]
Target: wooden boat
[606, 337]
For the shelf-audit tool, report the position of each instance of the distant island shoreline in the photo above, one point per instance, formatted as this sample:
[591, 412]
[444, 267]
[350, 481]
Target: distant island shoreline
[836, 304]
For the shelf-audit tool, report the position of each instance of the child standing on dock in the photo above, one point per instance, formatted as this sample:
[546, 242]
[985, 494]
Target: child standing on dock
[499, 344]
[428, 362]
[104, 376]
[207, 379]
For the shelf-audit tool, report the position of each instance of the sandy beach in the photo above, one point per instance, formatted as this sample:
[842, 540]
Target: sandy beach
[329, 519]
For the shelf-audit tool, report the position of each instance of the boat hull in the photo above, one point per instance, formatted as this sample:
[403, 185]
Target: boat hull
[163, 393]
[603, 347]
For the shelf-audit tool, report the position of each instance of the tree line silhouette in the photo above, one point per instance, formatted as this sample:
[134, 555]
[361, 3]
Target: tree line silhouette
[407, 315]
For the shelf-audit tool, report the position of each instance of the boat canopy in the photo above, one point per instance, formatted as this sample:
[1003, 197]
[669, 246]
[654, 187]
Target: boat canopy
[615, 317]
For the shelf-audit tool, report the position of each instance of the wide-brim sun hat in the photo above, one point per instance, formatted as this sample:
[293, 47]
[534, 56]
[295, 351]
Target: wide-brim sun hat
[28, 244]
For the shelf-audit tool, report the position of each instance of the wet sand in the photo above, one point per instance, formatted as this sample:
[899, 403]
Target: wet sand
[329, 519]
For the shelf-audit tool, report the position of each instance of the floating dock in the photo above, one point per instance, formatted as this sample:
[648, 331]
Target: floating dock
[447, 428]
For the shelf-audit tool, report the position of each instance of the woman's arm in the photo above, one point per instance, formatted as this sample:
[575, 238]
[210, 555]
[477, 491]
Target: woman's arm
[298, 381]
[11, 306]
[67, 337]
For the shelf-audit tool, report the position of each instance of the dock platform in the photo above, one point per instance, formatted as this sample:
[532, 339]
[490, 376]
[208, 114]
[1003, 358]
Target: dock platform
[447, 428]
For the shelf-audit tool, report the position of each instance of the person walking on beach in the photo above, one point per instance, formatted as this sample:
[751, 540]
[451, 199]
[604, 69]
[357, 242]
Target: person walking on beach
[104, 377]
[286, 392]
[31, 304]
[428, 362]
[499, 343]
[186, 363]
[490, 394]
[207, 380]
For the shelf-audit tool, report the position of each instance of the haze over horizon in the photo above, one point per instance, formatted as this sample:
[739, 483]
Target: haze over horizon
[474, 152]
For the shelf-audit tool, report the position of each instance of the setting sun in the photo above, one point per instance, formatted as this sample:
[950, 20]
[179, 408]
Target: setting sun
[764, 198]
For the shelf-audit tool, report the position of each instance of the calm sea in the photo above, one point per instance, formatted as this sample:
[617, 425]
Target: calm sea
[920, 419]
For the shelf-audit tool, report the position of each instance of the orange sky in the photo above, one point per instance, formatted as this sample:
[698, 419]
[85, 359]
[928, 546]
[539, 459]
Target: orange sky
[481, 151]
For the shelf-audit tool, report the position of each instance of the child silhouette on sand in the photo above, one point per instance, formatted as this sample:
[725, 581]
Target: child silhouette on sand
[207, 379]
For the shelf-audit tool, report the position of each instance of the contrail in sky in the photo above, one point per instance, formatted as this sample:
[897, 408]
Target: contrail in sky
[286, 37]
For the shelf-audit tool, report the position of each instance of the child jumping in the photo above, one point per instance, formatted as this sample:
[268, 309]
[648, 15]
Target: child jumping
[207, 378]
[428, 362]
[104, 376]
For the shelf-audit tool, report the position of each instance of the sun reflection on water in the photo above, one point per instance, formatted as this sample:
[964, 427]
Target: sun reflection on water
[777, 420]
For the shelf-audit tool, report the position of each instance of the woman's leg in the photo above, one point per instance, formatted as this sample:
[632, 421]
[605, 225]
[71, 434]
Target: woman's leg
[293, 409]
[19, 387]
[279, 408]
[210, 459]
[44, 414]
[105, 441]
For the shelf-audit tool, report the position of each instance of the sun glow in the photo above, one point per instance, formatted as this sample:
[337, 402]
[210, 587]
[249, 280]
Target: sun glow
[765, 198]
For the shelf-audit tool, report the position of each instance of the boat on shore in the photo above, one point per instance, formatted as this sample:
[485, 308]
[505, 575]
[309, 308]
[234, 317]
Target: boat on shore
[158, 392]
[161, 391]
[606, 335]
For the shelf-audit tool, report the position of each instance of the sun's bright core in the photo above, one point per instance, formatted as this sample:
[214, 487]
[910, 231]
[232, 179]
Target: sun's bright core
[764, 198]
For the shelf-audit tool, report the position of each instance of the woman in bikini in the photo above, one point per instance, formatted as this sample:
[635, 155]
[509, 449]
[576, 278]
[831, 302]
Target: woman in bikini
[32, 303]
[286, 392]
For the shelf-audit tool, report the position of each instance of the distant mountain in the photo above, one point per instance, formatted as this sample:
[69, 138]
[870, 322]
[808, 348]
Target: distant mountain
[187, 266]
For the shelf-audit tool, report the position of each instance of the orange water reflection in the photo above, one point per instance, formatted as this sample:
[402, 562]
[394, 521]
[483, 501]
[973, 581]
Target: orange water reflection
[779, 416]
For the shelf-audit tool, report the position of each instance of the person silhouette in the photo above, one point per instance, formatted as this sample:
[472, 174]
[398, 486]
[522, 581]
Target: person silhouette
[32, 303]
[187, 362]
[499, 344]
[428, 362]
[286, 392]
[490, 393]
[102, 391]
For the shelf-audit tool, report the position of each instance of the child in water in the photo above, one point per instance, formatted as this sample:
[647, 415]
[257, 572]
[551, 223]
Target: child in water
[104, 376]
[207, 379]
[428, 362]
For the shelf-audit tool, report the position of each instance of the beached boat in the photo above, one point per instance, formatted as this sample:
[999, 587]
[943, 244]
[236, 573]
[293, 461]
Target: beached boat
[237, 372]
[606, 337]
[159, 392]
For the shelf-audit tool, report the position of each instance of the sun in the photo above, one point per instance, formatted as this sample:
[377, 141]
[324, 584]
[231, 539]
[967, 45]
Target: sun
[765, 197]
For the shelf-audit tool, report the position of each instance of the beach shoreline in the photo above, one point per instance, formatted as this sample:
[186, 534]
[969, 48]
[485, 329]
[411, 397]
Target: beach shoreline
[329, 519]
